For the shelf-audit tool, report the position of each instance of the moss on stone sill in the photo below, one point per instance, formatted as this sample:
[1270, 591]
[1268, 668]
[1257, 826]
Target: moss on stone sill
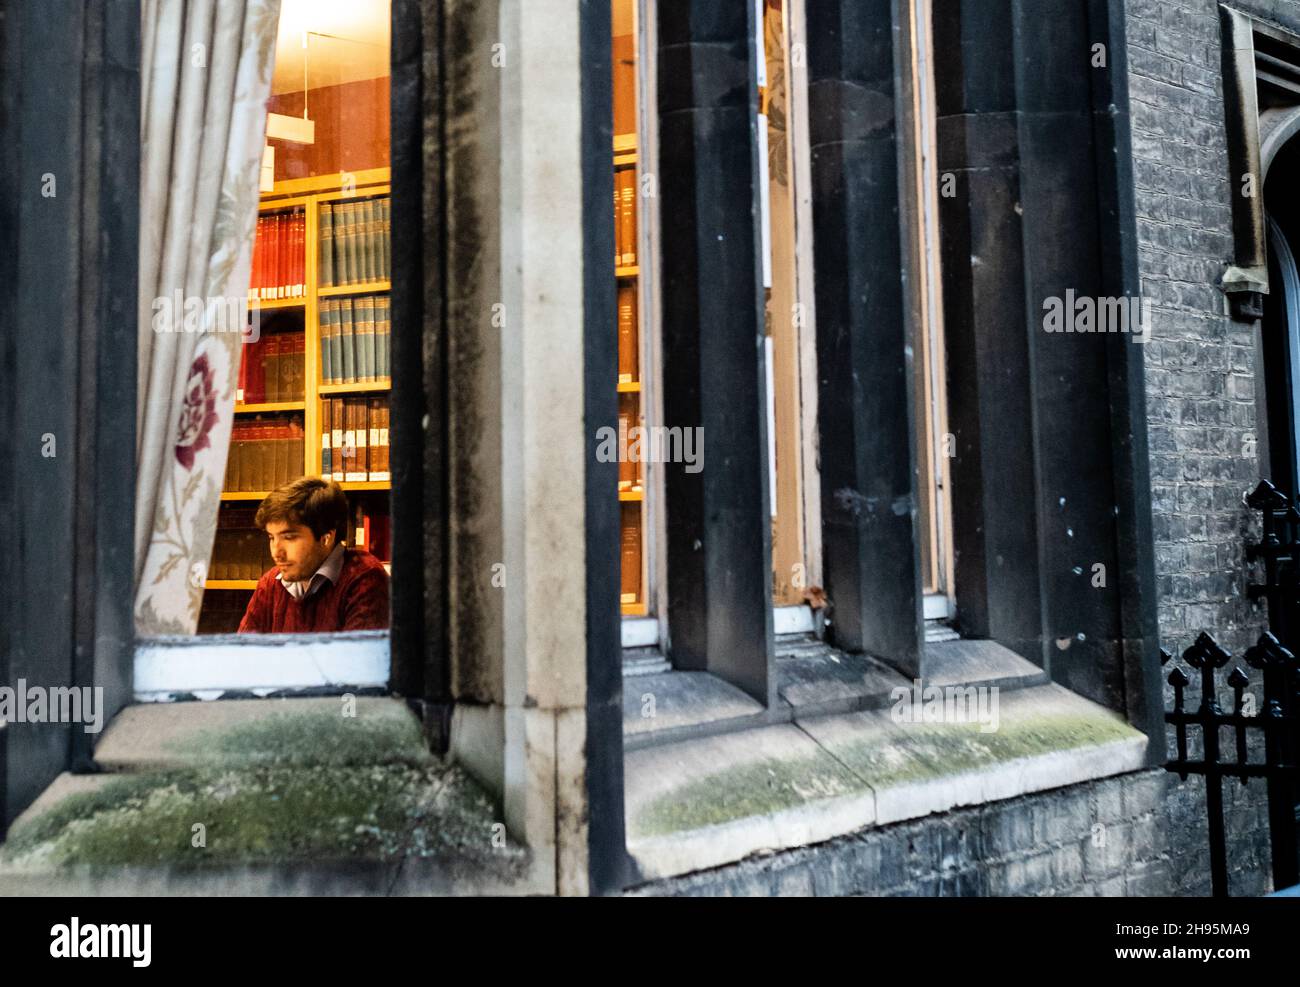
[756, 789]
[290, 788]
[927, 751]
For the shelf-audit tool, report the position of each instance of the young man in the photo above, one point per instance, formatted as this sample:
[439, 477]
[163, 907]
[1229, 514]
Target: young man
[317, 584]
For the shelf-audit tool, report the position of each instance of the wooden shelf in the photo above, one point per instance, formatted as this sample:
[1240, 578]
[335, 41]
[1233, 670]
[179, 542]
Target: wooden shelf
[631, 271]
[269, 304]
[249, 409]
[247, 584]
[631, 495]
[345, 484]
[624, 143]
[328, 184]
[354, 289]
[365, 388]
[635, 610]
[629, 387]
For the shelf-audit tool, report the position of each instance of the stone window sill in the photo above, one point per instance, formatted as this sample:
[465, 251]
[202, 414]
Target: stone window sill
[714, 800]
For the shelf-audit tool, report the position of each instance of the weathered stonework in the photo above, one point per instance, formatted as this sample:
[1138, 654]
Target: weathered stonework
[1103, 838]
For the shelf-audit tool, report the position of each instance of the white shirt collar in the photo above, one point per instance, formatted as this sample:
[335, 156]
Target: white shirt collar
[328, 572]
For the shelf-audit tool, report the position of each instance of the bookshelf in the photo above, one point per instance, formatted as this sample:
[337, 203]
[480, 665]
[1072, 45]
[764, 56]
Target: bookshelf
[625, 161]
[281, 431]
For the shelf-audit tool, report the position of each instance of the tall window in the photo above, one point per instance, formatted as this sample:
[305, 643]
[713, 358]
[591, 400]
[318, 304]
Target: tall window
[934, 442]
[312, 395]
[634, 269]
[787, 277]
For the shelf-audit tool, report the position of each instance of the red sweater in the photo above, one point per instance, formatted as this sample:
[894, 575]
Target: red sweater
[358, 601]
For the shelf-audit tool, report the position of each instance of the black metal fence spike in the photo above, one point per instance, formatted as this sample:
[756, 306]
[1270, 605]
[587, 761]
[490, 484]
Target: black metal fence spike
[1237, 678]
[1266, 496]
[1268, 652]
[1165, 657]
[1178, 678]
[1205, 652]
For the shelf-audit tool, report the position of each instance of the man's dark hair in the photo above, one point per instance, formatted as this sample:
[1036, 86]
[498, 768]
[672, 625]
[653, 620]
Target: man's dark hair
[319, 504]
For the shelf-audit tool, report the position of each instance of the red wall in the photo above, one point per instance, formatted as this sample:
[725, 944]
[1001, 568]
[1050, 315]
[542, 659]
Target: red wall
[351, 130]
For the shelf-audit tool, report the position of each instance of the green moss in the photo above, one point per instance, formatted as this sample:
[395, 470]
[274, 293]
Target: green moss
[946, 748]
[927, 751]
[378, 735]
[291, 787]
[755, 789]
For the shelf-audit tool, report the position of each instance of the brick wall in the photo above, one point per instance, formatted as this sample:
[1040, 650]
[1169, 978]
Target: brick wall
[1102, 838]
[1200, 379]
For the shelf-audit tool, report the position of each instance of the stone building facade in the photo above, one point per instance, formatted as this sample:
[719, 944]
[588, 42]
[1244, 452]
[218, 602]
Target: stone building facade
[955, 168]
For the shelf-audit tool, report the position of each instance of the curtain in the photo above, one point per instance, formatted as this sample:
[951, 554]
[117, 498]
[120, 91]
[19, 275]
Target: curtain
[206, 76]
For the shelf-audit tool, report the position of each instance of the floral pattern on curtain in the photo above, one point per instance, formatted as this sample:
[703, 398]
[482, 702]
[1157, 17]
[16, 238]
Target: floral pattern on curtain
[206, 68]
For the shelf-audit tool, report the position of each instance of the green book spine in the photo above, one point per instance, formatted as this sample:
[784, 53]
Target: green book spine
[342, 225]
[385, 238]
[368, 240]
[383, 339]
[325, 276]
[359, 306]
[336, 341]
[368, 341]
[326, 347]
[349, 343]
[354, 258]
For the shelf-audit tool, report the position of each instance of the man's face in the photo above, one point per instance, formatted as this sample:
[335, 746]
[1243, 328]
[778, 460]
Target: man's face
[296, 551]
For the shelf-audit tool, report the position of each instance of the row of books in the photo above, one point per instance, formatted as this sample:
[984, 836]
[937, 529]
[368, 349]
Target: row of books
[222, 611]
[273, 369]
[265, 453]
[354, 339]
[354, 439]
[354, 242]
[629, 470]
[279, 256]
[624, 217]
[627, 334]
[631, 554]
[240, 550]
[372, 530]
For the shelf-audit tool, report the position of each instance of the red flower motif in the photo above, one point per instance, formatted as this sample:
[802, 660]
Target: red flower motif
[198, 414]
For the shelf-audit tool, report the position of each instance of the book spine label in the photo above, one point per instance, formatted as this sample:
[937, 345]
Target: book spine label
[336, 432]
[363, 446]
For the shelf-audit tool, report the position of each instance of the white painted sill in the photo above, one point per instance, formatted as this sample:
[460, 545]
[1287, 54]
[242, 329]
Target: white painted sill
[209, 666]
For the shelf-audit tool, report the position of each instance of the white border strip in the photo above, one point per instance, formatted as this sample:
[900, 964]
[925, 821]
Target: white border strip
[261, 662]
[640, 632]
[792, 620]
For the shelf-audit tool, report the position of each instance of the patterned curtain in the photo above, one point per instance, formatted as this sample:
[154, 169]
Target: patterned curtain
[206, 76]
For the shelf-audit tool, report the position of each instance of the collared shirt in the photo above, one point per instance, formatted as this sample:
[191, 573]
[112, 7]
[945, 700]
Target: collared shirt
[329, 571]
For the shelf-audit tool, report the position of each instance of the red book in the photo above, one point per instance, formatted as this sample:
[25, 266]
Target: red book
[300, 365]
[300, 253]
[257, 256]
[256, 391]
[280, 255]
